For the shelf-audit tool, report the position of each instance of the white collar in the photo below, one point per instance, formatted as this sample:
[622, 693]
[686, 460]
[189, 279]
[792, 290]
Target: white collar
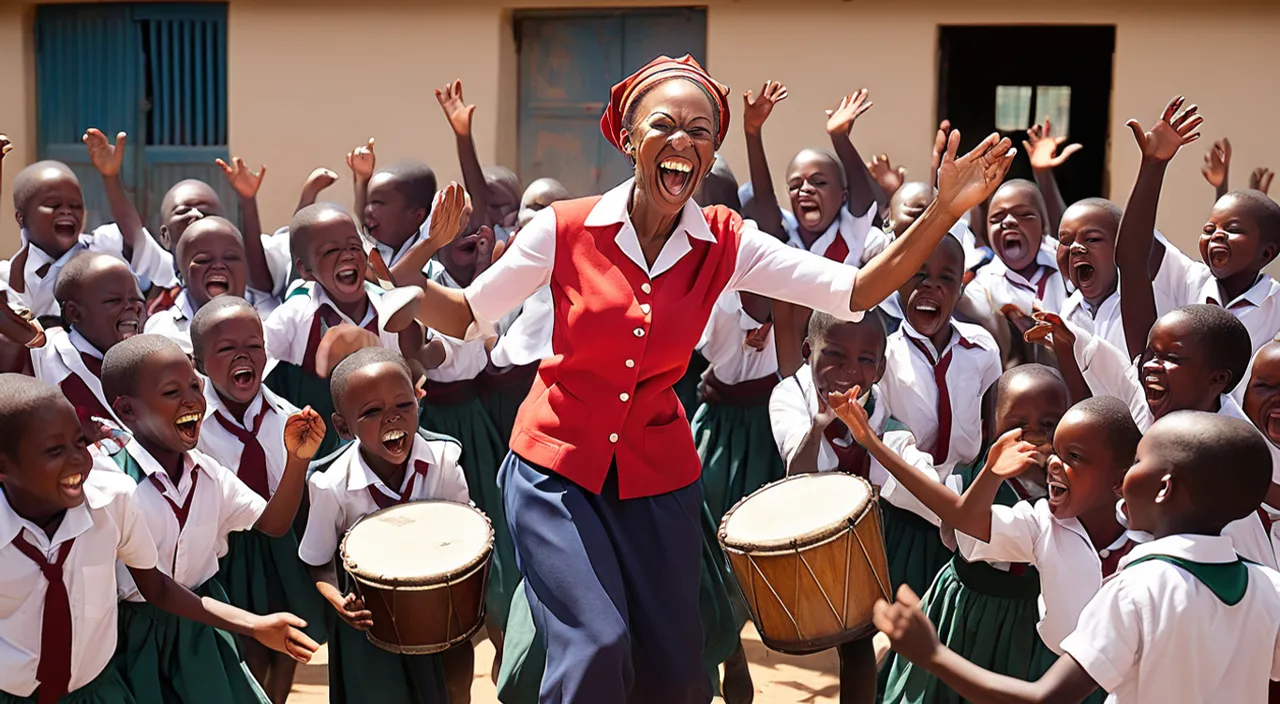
[79, 342]
[1077, 300]
[391, 256]
[957, 338]
[1261, 290]
[181, 307]
[77, 520]
[1046, 257]
[191, 463]
[320, 297]
[214, 404]
[1196, 548]
[360, 476]
[612, 209]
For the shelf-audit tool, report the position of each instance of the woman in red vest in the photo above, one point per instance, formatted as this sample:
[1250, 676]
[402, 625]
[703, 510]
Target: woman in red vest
[601, 483]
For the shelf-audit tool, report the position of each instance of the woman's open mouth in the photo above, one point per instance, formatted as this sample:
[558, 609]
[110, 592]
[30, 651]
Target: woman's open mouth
[675, 174]
[396, 441]
[188, 427]
[216, 285]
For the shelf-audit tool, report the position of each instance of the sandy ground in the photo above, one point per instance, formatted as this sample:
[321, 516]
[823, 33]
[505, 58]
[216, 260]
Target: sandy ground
[778, 678]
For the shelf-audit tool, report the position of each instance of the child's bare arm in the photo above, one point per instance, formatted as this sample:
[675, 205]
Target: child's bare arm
[303, 433]
[246, 185]
[449, 214]
[862, 189]
[319, 179]
[350, 608]
[459, 115]
[789, 323]
[108, 159]
[361, 161]
[1217, 167]
[6, 146]
[1051, 331]
[1042, 147]
[805, 460]
[755, 111]
[1136, 238]
[913, 637]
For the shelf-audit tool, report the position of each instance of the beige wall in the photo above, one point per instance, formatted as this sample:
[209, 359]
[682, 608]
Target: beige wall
[310, 80]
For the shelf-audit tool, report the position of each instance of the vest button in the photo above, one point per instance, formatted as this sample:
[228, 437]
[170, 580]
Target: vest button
[631, 363]
[639, 332]
[644, 308]
[624, 397]
[646, 287]
[613, 437]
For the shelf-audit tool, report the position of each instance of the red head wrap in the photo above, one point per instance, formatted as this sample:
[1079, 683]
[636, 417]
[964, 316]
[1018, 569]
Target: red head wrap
[660, 69]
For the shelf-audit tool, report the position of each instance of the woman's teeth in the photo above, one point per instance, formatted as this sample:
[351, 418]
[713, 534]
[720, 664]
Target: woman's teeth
[675, 165]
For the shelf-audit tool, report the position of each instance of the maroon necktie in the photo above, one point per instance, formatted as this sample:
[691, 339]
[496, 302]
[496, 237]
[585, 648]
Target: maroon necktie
[1040, 286]
[93, 364]
[252, 469]
[838, 251]
[384, 501]
[852, 459]
[54, 668]
[1111, 562]
[179, 512]
[326, 317]
[941, 444]
[82, 397]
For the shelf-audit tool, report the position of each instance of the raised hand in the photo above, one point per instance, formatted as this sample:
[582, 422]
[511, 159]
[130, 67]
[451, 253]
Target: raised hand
[1173, 130]
[282, 632]
[106, 157]
[840, 121]
[939, 147]
[319, 179]
[6, 145]
[361, 160]
[1217, 162]
[756, 108]
[1050, 330]
[1260, 179]
[967, 181]
[19, 326]
[845, 406]
[908, 629]
[450, 212]
[1011, 456]
[889, 179]
[1042, 147]
[303, 433]
[245, 182]
[455, 108]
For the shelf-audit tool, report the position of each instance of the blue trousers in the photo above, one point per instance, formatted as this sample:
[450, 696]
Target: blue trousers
[613, 587]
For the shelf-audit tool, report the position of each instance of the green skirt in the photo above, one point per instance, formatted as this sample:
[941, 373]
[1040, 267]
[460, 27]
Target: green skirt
[263, 575]
[302, 390]
[914, 548]
[361, 672]
[165, 659]
[524, 655]
[989, 618]
[738, 455]
[482, 454]
[686, 387]
[502, 402]
[107, 688]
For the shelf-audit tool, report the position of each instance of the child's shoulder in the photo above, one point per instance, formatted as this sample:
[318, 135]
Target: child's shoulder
[330, 473]
[444, 448]
[107, 483]
[977, 336]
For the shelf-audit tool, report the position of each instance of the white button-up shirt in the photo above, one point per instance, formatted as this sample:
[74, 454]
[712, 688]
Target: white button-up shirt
[340, 493]
[528, 338]
[218, 442]
[150, 262]
[995, 285]
[60, 358]
[174, 322]
[465, 360]
[723, 343]
[763, 265]
[222, 505]
[1070, 568]
[1155, 634]
[860, 236]
[792, 408]
[912, 392]
[288, 328]
[108, 526]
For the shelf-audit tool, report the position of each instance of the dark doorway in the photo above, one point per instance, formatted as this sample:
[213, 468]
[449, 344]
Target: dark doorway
[1038, 71]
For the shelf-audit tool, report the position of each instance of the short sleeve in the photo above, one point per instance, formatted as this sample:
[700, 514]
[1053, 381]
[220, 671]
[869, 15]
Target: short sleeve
[524, 268]
[280, 328]
[1014, 533]
[136, 549]
[770, 268]
[279, 260]
[241, 506]
[1109, 372]
[1180, 278]
[453, 482]
[789, 417]
[324, 524]
[1108, 637]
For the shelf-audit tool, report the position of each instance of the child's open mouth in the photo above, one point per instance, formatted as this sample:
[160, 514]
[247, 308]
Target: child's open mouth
[1084, 273]
[926, 314]
[72, 485]
[395, 441]
[189, 427]
[347, 276]
[1057, 491]
[1272, 426]
[128, 328]
[216, 285]
[1156, 391]
[244, 377]
[1219, 255]
[66, 227]
[1014, 246]
[675, 173]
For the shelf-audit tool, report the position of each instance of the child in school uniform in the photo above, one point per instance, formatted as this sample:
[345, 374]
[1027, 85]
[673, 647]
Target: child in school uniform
[989, 611]
[1072, 536]
[191, 504]
[244, 429]
[1262, 406]
[66, 518]
[1184, 619]
[388, 464]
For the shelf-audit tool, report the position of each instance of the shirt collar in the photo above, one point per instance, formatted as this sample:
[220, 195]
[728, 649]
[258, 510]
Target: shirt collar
[150, 467]
[360, 476]
[1261, 289]
[182, 306]
[76, 521]
[391, 256]
[957, 338]
[82, 345]
[611, 209]
[320, 297]
[214, 404]
[1196, 548]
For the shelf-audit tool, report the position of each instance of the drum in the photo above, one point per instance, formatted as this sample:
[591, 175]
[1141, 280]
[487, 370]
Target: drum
[808, 553]
[421, 569]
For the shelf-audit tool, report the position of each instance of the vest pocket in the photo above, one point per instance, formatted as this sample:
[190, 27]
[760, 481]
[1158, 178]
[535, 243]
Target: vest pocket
[671, 438]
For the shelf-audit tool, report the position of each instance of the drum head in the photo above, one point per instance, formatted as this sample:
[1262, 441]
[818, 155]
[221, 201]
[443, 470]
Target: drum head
[417, 543]
[799, 509]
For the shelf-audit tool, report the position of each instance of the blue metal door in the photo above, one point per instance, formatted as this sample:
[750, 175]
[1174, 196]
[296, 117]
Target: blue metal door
[157, 71]
[568, 62]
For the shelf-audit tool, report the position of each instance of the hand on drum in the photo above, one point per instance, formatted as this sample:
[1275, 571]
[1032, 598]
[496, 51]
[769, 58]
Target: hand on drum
[1011, 456]
[846, 407]
[303, 433]
[352, 610]
[282, 632]
[908, 629]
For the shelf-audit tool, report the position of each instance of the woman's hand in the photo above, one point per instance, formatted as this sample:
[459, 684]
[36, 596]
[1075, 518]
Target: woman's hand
[969, 180]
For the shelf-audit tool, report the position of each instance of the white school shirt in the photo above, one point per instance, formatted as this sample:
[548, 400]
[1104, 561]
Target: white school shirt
[723, 343]
[107, 526]
[222, 505]
[528, 338]
[288, 328]
[912, 392]
[863, 240]
[150, 262]
[60, 358]
[1155, 634]
[792, 408]
[1070, 568]
[466, 359]
[340, 493]
[218, 442]
[995, 285]
[174, 322]
[764, 265]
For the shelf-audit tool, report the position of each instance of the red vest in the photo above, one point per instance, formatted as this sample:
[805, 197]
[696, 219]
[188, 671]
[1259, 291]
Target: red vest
[620, 342]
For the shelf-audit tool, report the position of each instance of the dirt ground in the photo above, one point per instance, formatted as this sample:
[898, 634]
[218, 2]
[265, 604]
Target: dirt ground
[778, 678]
